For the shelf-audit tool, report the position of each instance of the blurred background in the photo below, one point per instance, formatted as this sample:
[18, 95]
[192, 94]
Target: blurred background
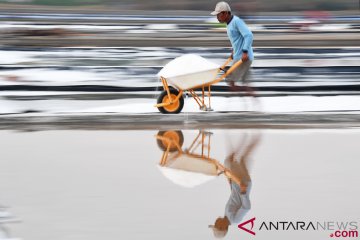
[253, 5]
[103, 55]
[84, 65]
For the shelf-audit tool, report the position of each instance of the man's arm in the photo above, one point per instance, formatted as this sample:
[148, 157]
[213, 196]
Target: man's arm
[248, 39]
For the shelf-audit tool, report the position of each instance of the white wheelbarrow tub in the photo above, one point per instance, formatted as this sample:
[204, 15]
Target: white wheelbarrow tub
[189, 71]
[188, 171]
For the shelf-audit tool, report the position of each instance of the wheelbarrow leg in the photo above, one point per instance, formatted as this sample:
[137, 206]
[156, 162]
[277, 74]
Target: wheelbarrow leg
[209, 95]
[200, 101]
[204, 107]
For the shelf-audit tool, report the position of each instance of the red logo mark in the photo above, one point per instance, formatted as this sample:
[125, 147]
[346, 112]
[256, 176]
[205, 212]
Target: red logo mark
[241, 226]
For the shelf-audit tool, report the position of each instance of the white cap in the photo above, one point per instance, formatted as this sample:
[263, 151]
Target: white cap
[221, 7]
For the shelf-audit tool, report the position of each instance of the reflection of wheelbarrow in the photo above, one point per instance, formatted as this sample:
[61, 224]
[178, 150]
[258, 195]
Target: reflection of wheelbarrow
[187, 73]
[192, 166]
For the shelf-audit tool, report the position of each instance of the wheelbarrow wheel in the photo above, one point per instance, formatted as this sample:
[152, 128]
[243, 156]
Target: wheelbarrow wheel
[175, 107]
[173, 136]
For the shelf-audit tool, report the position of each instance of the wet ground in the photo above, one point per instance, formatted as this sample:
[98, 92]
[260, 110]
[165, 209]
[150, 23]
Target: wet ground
[38, 74]
[81, 184]
[26, 28]
[123, 80]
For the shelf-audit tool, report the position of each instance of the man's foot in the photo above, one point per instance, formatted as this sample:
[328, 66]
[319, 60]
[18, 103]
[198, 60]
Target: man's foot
[234, 88]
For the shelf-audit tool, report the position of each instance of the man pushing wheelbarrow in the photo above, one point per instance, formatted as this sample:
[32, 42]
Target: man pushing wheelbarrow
[190, 72]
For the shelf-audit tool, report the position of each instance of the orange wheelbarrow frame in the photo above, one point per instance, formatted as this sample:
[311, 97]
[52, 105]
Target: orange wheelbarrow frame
[171, 100]
[172, 150]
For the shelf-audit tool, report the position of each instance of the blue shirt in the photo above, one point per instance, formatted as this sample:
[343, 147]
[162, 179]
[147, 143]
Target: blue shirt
[241, 38]
[238, 204]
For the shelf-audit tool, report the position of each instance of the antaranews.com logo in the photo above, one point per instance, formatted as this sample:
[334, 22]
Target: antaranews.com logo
[333, 229]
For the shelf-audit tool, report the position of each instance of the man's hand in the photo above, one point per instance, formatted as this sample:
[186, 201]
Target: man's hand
[223, 69]
[245, 57]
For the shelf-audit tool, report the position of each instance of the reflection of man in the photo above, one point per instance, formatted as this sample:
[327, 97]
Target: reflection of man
[239, 202]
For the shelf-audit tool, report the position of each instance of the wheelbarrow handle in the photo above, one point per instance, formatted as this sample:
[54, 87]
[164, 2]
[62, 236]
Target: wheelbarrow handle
[227, 173]
[226, 63]
[232, 68]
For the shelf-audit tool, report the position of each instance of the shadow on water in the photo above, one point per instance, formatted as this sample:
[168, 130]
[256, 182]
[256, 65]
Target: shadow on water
[6, 218]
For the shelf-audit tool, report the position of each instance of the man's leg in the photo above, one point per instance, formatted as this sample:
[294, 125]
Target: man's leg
[242, 73]
[245, 78]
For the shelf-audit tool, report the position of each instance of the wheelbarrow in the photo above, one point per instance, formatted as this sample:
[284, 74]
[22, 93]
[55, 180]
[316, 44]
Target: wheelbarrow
[188, 73]
[192, 166]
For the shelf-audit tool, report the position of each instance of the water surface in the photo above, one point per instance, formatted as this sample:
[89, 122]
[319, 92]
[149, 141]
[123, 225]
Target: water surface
[109, 184]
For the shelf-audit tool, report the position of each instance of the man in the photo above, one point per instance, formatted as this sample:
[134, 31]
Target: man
[238, 205]
[241, 39]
